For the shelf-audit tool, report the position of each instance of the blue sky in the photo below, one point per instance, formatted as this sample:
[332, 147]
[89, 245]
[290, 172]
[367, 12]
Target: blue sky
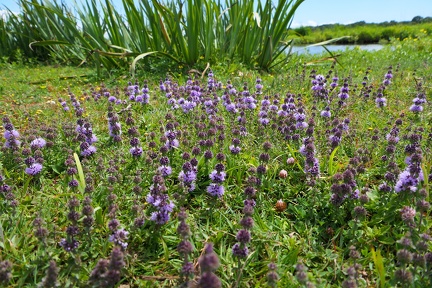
[317, 12]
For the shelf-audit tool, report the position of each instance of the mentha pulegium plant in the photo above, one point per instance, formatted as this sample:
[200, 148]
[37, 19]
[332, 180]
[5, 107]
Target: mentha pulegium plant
[209, 263]
[185, 249]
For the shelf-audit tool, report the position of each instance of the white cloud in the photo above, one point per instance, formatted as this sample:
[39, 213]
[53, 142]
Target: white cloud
[5, 13]
[296, 24]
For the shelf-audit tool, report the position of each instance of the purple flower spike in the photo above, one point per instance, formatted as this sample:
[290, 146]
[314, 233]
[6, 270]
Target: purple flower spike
[34, 169]
[239, 251]
[88, 151]
[160, 217]
[165, 171]
[136, 151]
[215, 190]
[119, 237]
[69, 246]
[38, 143]
[234, 149]
[381, 102]
[11, 134]
[217, 177]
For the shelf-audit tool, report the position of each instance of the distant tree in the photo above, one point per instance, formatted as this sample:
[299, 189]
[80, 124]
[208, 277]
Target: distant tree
[417, 19]
[359, 23]
[303, 31]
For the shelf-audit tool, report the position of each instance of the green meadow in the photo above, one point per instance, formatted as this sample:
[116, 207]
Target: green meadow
[156, 152]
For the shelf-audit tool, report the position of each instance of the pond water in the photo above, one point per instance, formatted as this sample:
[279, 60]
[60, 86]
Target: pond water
[333, 48]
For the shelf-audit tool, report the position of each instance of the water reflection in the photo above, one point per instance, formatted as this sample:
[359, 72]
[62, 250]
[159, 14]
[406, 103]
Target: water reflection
[320, 49]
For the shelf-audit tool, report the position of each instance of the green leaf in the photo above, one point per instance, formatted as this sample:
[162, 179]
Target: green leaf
[379, 266]
[331, 167]
[328, 41]
[386, 240]
[99, 217]
[48, 43]
[81, 180]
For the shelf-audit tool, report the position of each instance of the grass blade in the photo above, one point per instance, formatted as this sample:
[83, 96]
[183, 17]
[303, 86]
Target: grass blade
[81, 179]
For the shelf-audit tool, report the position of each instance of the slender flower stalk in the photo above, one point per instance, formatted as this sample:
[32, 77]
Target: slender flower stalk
[209, 263]
[159, 201]
[410, 178]
[87, 215]
[76, 105]
[240, 250]
[217, 177]
[70, 243]
[311, 167]
[343, 95]
[86, 137]
[188, 176]
[326, 112]
[107, 273]
[319, 86]
[272, 276]
[114, 126]
[185, 249]
[5, 272]
[50, 279]
[11, 135]
[419, 100]
[40, 232]
[64, 105]
[301, 275]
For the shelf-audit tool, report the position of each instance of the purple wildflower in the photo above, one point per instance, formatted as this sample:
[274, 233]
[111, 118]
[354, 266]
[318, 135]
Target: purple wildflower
[381, 102]
[326, 112]
[38, 143]
[343, 95]
[234, 149]
[170, 144]
[188, 176]
[217, 177]
[69, 245]
[408, 214]
[419, 100]
[159, 201]
[215, 190]
[136, 151]
[272, 275]
[90, 150]
[34, 169]
[5, 272]
[50, 280]
[208, 261]
[119, 238]
[406, 182]
[165, 170]
[240, 251]
[319, 86]
[11, 134]
[160, 217]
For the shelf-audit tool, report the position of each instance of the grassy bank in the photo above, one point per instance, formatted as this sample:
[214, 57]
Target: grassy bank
[318, 174]
[362, 33]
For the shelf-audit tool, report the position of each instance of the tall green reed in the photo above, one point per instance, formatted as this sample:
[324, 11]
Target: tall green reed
[187, 32]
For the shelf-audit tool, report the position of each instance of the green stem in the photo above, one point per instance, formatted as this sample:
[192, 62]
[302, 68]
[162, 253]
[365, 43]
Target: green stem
[239, 271]
[420, 222]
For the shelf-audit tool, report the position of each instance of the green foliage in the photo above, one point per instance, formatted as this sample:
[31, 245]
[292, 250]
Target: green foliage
[309, 230]
[379, 266]
[361, 33]
[192, 33]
